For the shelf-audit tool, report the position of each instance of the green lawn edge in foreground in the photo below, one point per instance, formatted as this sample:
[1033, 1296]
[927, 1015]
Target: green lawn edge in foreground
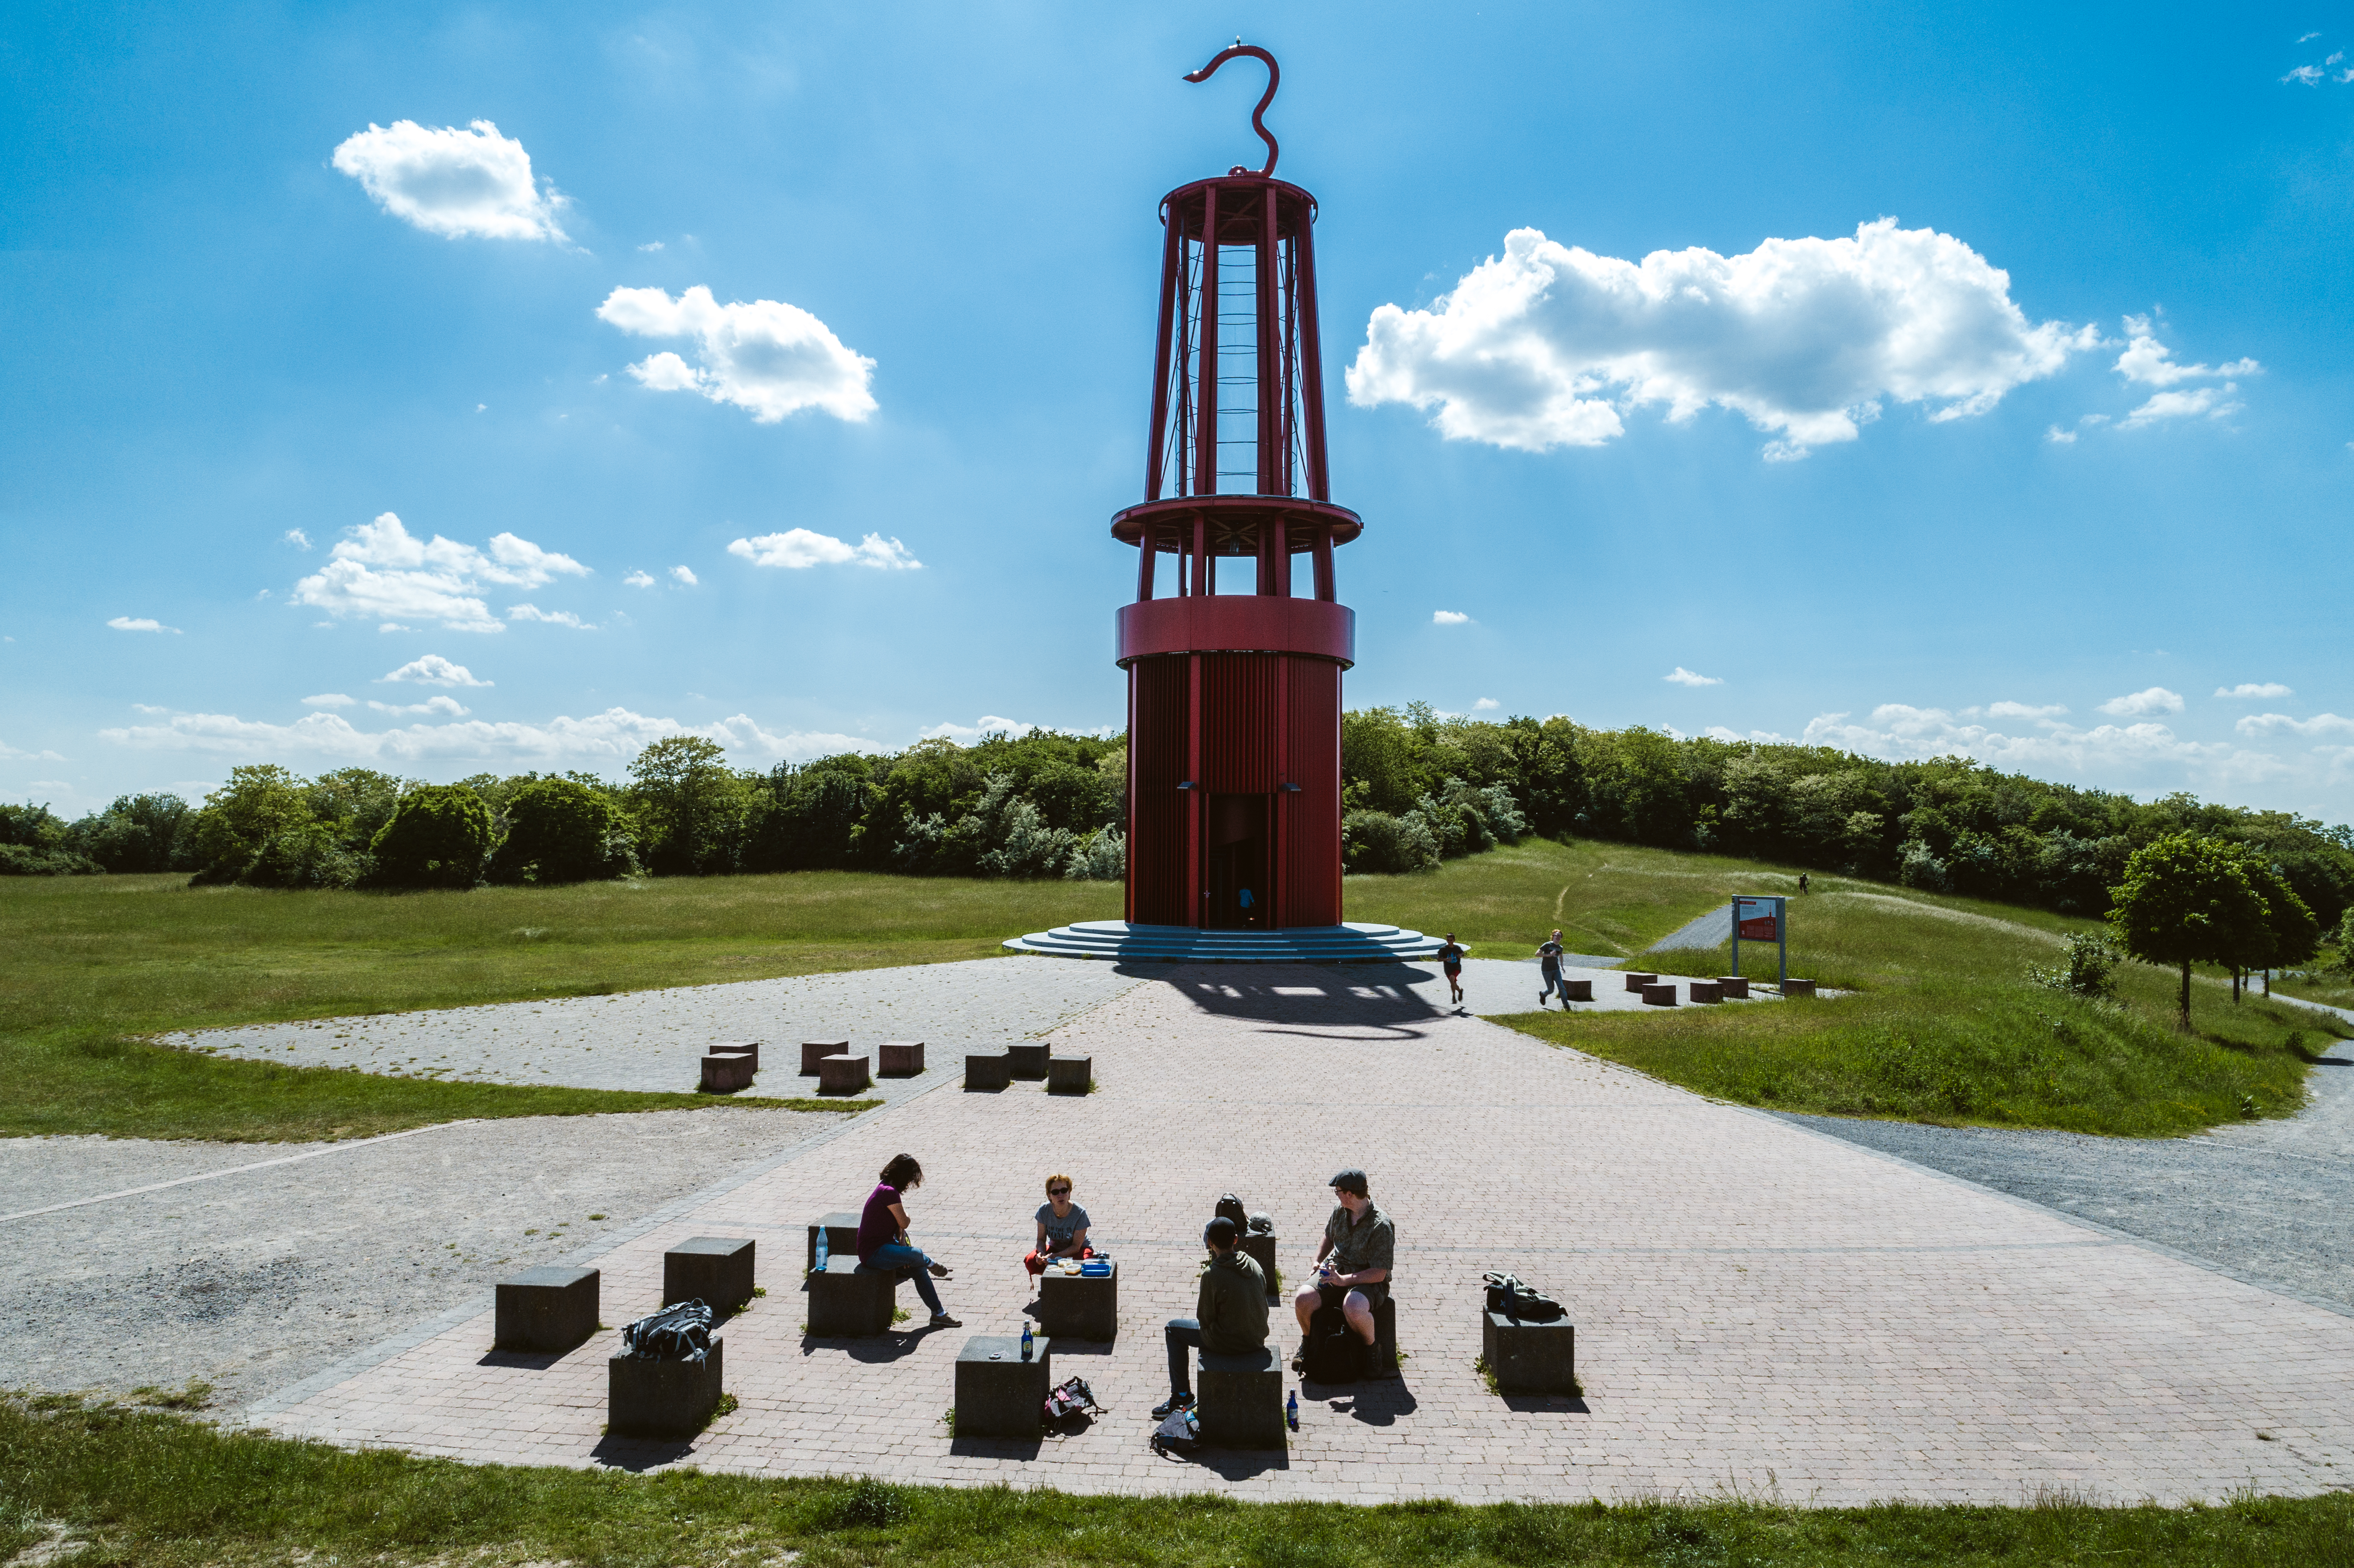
[143, 1486]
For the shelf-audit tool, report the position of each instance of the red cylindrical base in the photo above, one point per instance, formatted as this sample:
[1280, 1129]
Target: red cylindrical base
[1234, 799]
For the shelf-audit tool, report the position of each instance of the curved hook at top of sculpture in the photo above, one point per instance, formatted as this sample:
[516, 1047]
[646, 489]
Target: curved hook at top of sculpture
[1274, 75]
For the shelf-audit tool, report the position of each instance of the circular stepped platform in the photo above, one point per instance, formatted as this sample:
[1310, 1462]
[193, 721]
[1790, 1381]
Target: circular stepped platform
[1354, 943]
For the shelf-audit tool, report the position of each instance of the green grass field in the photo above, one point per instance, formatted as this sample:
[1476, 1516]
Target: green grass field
[140, 1486]
[1944, 1026]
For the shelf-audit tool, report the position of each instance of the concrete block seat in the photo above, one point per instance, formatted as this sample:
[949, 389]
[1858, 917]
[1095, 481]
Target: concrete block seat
[662, 1398]
[1379, 1359]
[723, 1075]
[999, 1395]
[843, 1075]
[1260, 1246]
[1705, 991]
[1578, 990]
[988, 1074]
[850, 1300]
[1239, 1402]
[1028, 1061]
[1660, 995]
[546, 1309]
[1529, 1358]
[714, 1270]
[841, 1236]
[739, 1048]
[1797, 988]
[1637, 982]
[901, 1059]
[1074, 1306]
[1734, 987]
[1070, 1075]
[816, 1051]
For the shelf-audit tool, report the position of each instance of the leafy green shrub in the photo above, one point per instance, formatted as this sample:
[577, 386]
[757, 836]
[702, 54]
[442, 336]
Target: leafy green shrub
[1102, 856]
[255, 806]
[439, 836]
[138, 833]
[561, 830]
[1378, 843]
[34, 842]
[2090, 972]
[303, 859]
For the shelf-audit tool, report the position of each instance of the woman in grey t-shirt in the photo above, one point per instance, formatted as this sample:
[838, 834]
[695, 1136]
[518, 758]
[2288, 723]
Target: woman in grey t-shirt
[1062, 1226]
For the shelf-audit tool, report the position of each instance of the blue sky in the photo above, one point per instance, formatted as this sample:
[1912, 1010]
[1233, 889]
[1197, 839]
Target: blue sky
[1912, 378]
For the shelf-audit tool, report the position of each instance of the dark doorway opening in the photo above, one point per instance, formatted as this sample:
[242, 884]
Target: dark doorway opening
[1242, 895]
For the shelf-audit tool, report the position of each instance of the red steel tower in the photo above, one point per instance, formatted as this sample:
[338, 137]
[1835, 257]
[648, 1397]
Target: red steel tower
[1234, 688]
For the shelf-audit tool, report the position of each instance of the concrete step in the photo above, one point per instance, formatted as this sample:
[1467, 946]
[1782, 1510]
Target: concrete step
[1117, 941]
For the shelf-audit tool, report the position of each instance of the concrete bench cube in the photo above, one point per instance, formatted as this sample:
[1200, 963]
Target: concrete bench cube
[1383, 1357]
[1260, 1246]
[725, 1074]
[816, 1051]
[1706, 990]
[1578, 991]
[849, 1300]
[840, 1231]
[1735, 987]
[901, 1058]
[739, 1048]
[1074, 1306]
[1070, 1075]
[843, 1075]
[1636, 982]
[714, 1270]
[999, 1395]
[1663, 995]
[988, 1074]
[1529, 1358]
[546, 1309]
[1797, 988]
[1240, 1400]
[662, 1398]
[1028, 1062]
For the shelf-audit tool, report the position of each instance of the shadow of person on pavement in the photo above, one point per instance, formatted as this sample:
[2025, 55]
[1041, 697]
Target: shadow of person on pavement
[1376, 1402]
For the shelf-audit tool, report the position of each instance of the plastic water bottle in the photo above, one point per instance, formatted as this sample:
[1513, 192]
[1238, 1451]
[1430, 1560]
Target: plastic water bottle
[819, 1267]
[1291, 1411]
[1026, 1341]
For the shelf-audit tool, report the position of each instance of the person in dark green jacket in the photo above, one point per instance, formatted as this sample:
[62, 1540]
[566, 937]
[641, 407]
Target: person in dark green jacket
[1229, 1315]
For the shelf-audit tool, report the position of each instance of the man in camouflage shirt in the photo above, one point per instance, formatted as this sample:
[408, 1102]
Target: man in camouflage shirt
[1353, 1264]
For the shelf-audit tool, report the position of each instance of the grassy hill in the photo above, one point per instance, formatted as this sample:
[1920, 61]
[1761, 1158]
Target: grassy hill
[1944, 1025]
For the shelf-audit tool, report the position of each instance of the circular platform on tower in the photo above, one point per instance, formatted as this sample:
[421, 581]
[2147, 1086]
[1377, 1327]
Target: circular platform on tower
[1118, 941]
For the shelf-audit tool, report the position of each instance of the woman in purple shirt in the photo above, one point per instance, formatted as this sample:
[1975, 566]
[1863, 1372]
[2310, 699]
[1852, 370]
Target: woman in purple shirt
[883, 1236]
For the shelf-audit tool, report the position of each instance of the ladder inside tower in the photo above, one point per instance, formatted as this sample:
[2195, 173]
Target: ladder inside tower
[1234, 468]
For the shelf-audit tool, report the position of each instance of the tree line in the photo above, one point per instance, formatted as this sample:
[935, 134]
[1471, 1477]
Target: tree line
[1418, 787]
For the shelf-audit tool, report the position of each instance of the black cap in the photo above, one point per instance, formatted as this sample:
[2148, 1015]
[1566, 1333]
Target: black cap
[1350, 1180]
[1220, 1233]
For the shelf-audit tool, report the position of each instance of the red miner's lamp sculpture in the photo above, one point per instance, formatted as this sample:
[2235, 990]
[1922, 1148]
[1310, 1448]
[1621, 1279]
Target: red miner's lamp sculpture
[1234, 697]
[1235, 644]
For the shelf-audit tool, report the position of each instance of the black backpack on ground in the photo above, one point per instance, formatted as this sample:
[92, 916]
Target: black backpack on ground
[1521, 1301]
[1231, 1208]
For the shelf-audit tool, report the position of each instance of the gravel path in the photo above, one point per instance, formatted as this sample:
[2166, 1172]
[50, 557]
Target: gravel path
[654, 1040]
[259, 1278]
[2269, 1202]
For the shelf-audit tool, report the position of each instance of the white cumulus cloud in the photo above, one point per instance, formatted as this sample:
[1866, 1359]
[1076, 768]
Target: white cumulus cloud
[1449, 617]
[2256, 689]
[2137, 705]
[432, 670]
[2212, 401]
[2148, 360]
[451, 182]
[1549, 344]
[1683, 677]
[2020, 710]
[10, 754]
[449, 706]
[552, 617]
[1486, 704]
[796, 549]
[381, 571]
[2279, 724]
[765, 356]
[2309, 75]
[296, 537]
[328, 699]
[596, 742]
[141, 623]
[683, 576]
[640, 579]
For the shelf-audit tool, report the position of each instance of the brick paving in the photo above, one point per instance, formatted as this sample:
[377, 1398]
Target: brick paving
[1759, 1308]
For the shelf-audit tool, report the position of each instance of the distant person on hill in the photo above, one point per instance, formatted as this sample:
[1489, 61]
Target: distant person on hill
[1450, 959]
[883, 1235]
[1062, 1226]
[1802, 882]
[1549, 966]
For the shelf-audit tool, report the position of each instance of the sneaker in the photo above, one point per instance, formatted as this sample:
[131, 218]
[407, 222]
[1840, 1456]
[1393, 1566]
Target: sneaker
[1172, 1405]
[942, 1320]
[939, 1271]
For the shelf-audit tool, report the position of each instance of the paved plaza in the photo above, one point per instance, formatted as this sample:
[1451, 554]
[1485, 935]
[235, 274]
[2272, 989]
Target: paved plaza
[1760, 1308]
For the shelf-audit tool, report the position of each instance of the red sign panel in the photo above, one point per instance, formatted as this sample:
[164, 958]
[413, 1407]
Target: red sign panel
[1754, 919]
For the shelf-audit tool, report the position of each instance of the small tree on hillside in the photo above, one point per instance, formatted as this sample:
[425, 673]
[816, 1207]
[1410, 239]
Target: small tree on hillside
[2288, 933]
[439, 836]
[2186, 900]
